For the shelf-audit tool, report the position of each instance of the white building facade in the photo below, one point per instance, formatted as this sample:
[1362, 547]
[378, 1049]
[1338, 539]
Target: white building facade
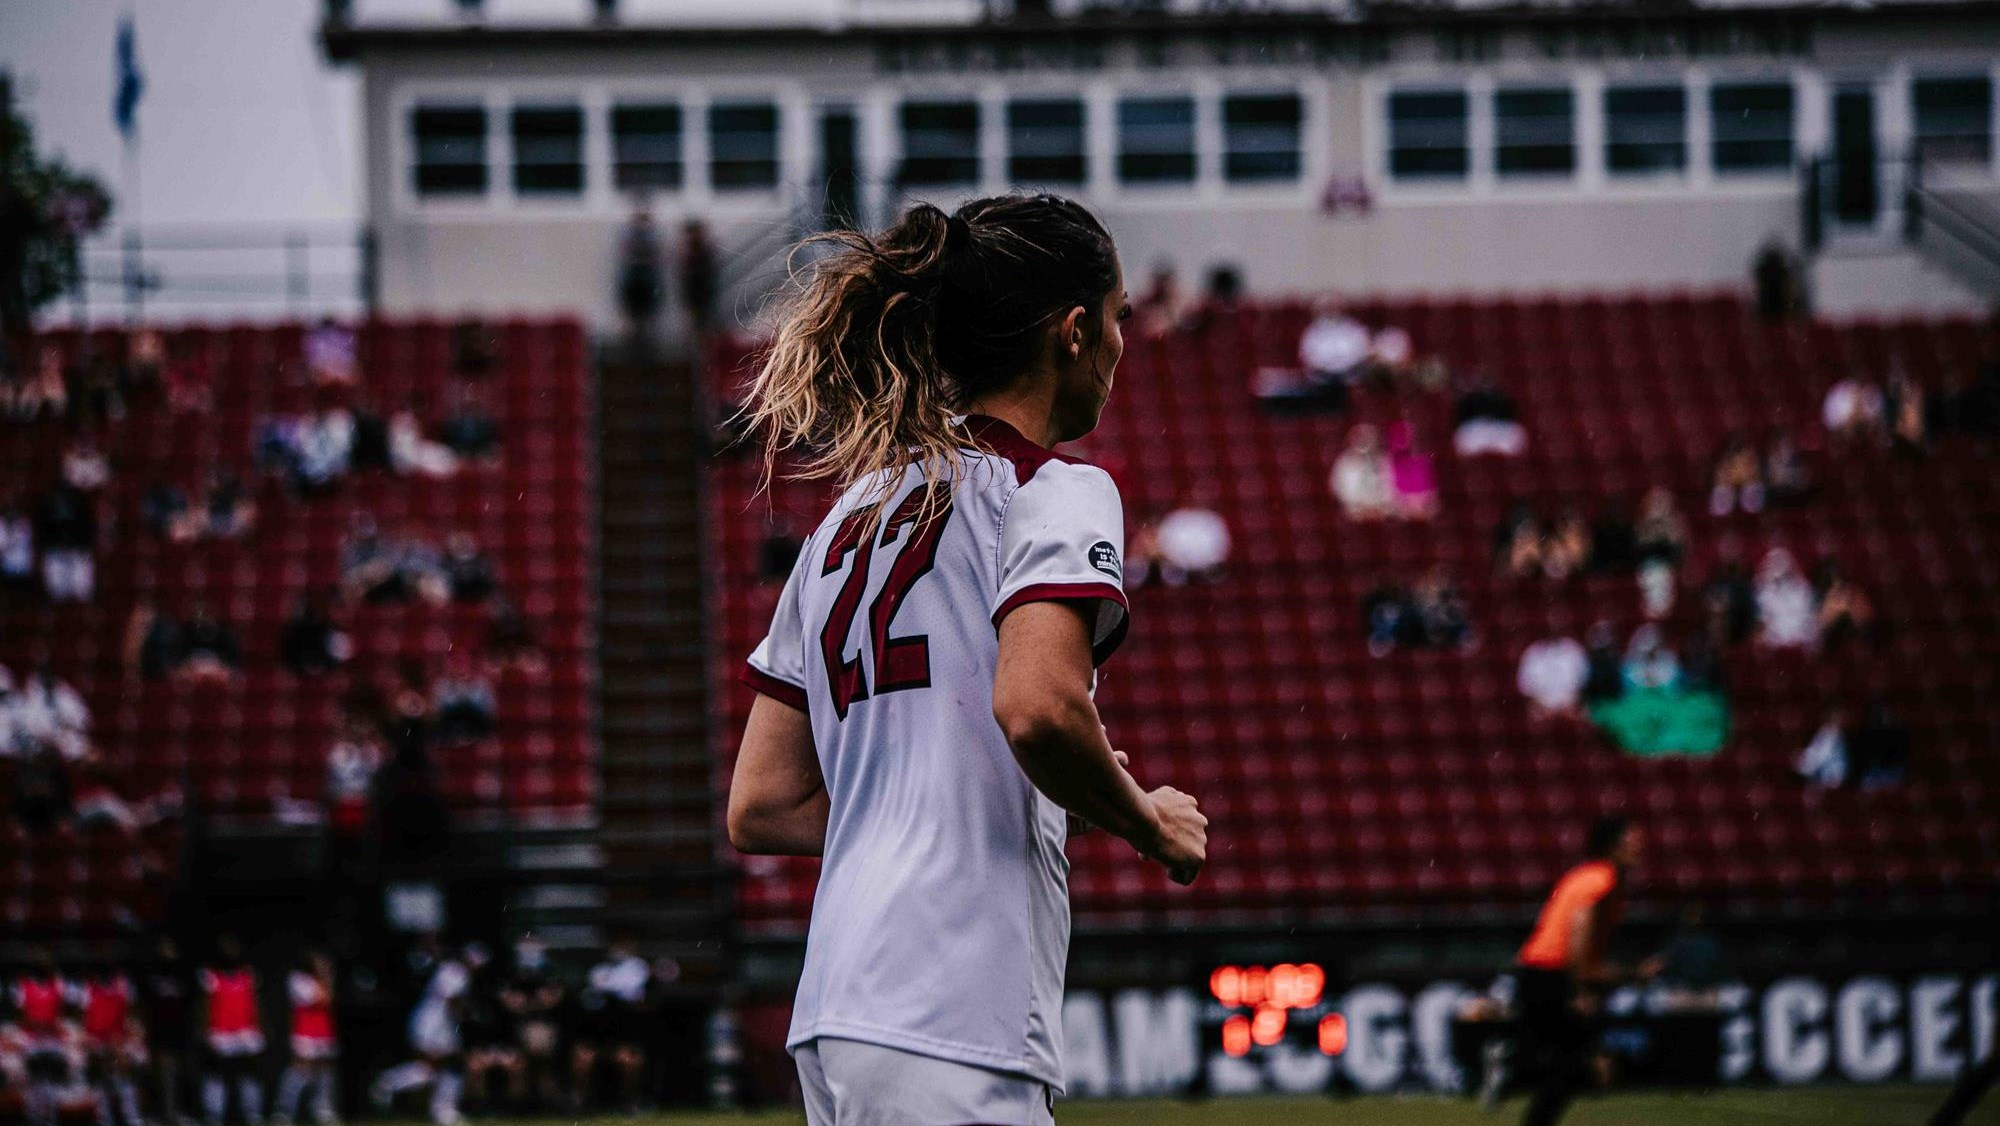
[1389, 151]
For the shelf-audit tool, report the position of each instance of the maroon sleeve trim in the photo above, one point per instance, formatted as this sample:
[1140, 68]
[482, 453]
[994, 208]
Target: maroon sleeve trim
[1074, 592]
[783, 691]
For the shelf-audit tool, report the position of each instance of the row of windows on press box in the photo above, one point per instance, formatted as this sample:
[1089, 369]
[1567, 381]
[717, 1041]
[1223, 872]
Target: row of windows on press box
[1534, 133]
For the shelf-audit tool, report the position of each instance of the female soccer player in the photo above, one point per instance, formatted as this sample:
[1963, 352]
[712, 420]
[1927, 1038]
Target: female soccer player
[924, 716]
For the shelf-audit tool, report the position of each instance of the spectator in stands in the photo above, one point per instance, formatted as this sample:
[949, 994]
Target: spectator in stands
[1905, 412]
[1517, 543]
[47, 394]
[213, 652]
[413, 454]
[1392, 361]
[311, 644]
[1334, 350]
[1142, 553]
[463, 701]
[1729, 599]
[1787, 481]
[146, 360]
[1736, 480]
[1661, 535]
[467, 570]
[1441, 611]
[1844, 609]
[49, 715]
[1786, 614]
[17, 546]
[510, 642]
[1412, 474]
[475, 349]
[66, 526]
[1193, 544]
[1779, 283]
[322, 448]
[642, 281]
[1649, 661]
[381, 570]
[1605, 680]
[332, 353]
[1486, 422]
[1388, 618]
[165, 511]
[1566, 546]
[470, 431]
[1879, 748]
[1163, 309]
[1361, 479]
[85, 467]
[700, 276]
[612, 1028]
[1552, 675]
[351, 764]
[1824, 761]
[155, 643]
[228, 509]
[1853, 412]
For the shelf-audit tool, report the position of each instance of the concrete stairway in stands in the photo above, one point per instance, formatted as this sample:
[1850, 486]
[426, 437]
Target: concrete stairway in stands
[657, 838]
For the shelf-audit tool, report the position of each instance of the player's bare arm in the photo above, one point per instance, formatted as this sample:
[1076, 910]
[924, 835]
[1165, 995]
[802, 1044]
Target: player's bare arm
[1041, 699]
[777, 799]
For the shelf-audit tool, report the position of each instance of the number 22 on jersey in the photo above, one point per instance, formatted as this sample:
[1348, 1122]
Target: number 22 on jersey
[900, 662]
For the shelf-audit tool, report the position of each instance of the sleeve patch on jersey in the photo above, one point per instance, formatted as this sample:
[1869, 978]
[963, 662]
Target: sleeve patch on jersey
[1104, 557]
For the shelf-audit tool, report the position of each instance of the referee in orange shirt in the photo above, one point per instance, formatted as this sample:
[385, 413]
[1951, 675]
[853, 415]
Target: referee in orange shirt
[1562, 969]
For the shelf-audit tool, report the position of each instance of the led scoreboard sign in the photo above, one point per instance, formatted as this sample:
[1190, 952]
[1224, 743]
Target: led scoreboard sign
[1259, 1007]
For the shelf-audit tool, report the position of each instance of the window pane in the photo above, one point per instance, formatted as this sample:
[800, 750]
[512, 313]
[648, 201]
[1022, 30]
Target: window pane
[450, 147]
[1261, 137]
[548, 150]
[1645, 129]
[1427, 136]
[646, 146]
[743, 146]
[940, 143]
[1751, 127]
[1045, 141]
[1535, 132]
[1156, 140]
[1955, 118]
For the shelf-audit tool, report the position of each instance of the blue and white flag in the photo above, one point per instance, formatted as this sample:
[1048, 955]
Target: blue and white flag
[127, 83]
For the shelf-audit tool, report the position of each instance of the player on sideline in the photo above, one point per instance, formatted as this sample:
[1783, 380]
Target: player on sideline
[235, 1035]
[1562, 970]
[924, 715]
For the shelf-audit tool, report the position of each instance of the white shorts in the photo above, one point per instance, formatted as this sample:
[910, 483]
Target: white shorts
[236, 1045]
[312, 1049]
[850, 1083]
[433, 1030]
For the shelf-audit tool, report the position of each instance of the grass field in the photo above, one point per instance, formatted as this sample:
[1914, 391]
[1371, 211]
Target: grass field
[1823, 1106]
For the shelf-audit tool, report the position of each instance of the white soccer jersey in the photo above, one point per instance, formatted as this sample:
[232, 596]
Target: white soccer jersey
[941, 925]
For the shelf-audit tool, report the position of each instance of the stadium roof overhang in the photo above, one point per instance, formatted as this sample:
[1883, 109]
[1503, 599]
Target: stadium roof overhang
[347, 41]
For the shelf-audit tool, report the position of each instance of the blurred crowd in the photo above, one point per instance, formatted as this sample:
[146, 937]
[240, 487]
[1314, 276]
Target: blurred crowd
[168, 1040]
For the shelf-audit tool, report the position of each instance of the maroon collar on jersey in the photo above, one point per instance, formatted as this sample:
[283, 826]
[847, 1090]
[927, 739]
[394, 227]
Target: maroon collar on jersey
[1000, 436]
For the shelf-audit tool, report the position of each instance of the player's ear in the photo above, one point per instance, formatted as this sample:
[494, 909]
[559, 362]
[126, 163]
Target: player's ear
[1069, 333]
